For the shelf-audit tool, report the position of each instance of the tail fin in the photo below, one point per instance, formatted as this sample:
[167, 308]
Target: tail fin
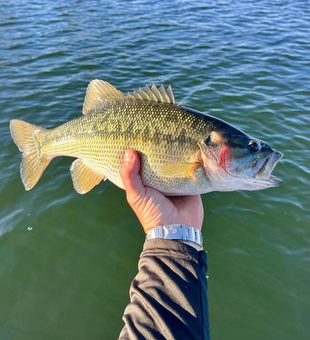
[28, 138]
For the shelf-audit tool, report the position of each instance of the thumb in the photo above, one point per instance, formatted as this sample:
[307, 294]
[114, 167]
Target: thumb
[131, 178]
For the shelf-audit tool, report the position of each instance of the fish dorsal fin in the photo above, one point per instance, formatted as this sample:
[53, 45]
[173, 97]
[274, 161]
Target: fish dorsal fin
[99, 95]
[153, 93]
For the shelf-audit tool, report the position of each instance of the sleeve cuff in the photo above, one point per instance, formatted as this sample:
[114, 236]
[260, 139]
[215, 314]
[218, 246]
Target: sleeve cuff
[172, 248]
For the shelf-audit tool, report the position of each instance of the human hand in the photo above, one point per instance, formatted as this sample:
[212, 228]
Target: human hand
[152, 207]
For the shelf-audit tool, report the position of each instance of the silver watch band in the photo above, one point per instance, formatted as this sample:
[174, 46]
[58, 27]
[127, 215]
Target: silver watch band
[175, 232]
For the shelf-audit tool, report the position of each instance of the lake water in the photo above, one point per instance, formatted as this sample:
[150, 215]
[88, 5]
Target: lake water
[67, 260]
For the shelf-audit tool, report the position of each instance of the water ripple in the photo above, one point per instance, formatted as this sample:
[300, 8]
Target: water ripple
[243, 61]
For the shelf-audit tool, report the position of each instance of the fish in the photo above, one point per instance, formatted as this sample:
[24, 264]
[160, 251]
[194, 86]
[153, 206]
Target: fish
[182, 151]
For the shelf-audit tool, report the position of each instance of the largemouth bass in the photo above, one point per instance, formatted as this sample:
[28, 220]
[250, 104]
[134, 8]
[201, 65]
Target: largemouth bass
[183, 151]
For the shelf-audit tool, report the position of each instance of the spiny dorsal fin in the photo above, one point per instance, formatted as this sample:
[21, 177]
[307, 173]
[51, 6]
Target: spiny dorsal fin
[99, 95]
[153, 93]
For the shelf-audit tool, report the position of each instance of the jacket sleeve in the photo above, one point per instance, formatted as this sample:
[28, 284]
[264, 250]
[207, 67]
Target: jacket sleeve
[168, 297]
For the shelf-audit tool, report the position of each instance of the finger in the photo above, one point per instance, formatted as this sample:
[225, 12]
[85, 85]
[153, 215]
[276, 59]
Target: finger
[130, 176]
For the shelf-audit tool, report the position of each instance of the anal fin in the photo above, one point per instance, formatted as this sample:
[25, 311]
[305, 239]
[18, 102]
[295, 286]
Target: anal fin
[84, 177]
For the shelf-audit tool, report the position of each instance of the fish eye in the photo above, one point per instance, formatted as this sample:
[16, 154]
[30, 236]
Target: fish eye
[253, 146]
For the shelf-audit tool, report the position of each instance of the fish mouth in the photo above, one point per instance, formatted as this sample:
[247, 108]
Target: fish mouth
[264, 167]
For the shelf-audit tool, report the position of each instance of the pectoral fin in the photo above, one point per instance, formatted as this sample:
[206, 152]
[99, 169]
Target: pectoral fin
[178, 170]
[84, 177]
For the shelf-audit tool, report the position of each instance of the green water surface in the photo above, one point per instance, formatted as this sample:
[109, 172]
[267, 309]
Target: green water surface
[67, 260]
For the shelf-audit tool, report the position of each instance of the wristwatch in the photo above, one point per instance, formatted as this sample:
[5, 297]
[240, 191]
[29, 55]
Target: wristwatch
[175, 232]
